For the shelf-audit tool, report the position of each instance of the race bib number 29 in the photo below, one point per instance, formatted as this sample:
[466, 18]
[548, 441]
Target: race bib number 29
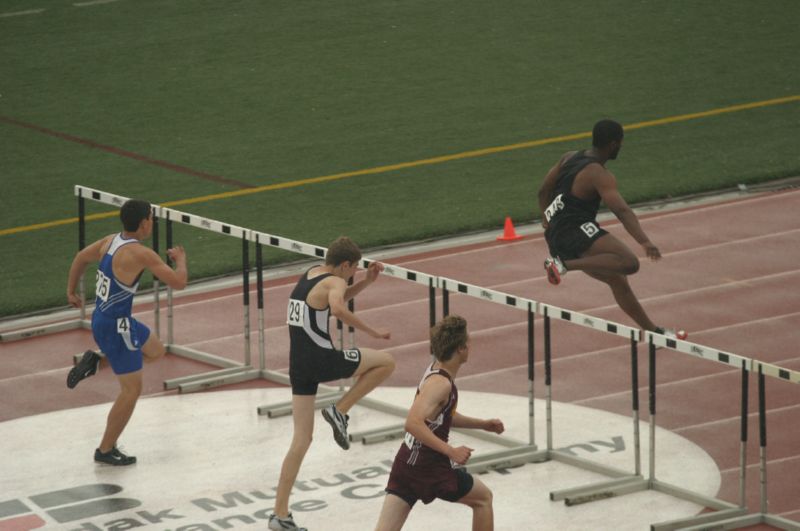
[294, 313]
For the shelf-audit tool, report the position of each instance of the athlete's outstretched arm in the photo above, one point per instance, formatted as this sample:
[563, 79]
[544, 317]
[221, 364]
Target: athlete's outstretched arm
[428, 404]
[463, 421]
[606, 185]
[175, 278]
[373, 270]
[336, 301]
[83, 258]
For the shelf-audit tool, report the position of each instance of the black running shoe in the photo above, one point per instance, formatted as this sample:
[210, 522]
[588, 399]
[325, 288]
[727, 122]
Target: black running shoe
[339, 424]
[86, 367]
[114, 457]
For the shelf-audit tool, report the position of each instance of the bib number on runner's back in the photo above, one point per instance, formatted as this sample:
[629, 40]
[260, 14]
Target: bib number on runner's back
[103, 286]
[295, 312]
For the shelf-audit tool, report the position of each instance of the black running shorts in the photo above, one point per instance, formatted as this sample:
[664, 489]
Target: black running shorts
[568, 241]
[313, 365]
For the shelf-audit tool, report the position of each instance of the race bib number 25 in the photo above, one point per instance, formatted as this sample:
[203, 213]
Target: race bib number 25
[103, 286]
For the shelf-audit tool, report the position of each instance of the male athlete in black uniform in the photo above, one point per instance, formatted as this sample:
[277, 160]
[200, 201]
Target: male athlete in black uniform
[569, 199]
[321, 292]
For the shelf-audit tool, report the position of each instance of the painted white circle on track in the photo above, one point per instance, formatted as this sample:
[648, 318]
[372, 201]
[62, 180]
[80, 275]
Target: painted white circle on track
[207, 461]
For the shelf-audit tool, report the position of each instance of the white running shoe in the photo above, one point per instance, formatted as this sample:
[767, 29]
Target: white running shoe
[339, 424]
[555, 270]
[283, 524]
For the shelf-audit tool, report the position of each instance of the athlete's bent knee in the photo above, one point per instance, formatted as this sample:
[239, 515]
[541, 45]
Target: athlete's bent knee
[630, 265]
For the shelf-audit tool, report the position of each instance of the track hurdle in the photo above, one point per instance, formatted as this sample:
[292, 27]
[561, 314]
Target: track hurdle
[71, 324]
[619, 478]
[519, 452]
[763, 516]
[722, 509]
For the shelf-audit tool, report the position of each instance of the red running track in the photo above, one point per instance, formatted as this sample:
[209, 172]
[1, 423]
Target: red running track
[729, 276]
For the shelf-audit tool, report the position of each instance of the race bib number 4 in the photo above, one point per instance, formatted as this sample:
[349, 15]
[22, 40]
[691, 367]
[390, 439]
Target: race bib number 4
[294, 312]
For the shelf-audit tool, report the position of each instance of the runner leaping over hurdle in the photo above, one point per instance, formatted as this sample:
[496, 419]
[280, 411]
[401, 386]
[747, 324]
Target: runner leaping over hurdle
[125, 341]
[322, 291]
[569, 198]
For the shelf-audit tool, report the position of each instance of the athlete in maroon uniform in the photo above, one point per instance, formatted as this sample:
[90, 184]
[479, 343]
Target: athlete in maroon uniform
[424, 468]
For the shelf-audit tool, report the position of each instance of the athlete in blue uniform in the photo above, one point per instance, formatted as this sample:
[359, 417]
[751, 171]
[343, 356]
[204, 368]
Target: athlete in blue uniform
[569, 198]
[321, 292]
[123, 340]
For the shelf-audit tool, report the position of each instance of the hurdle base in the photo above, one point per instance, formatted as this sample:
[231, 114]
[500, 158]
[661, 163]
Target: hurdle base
[215, 379]
[376, 435]
[185, 381]
[204, 357]
[281, 409]
[594, 491]
[503, 459]
[750, 520]
[34, 331]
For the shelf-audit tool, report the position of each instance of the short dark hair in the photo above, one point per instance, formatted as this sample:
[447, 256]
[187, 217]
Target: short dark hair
[132, 213]
[448, 336]
[605, 132]
[342, 249]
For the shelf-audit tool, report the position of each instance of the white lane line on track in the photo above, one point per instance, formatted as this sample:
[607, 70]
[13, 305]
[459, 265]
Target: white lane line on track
[626, 348]
[22, 13]
[754, 465]
[612, 222]
[692, 379]
[490, 330]
[727, 420]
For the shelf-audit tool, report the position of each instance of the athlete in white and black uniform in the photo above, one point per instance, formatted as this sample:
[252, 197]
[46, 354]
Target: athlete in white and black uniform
[312, 356]
[569, 198]
[320, 293]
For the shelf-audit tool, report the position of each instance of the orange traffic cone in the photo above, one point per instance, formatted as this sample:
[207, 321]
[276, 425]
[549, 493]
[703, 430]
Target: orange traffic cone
[509, 234]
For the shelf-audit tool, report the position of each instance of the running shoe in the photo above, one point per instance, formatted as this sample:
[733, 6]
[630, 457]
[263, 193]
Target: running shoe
[86, 367]
[555, 270]
[283, 524]
[114, 457]
[339, 424]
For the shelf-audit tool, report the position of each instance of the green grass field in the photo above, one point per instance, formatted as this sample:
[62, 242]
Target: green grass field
[264, 93]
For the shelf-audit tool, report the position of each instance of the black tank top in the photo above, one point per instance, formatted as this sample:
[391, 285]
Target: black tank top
[307, 326]
[566, 208]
